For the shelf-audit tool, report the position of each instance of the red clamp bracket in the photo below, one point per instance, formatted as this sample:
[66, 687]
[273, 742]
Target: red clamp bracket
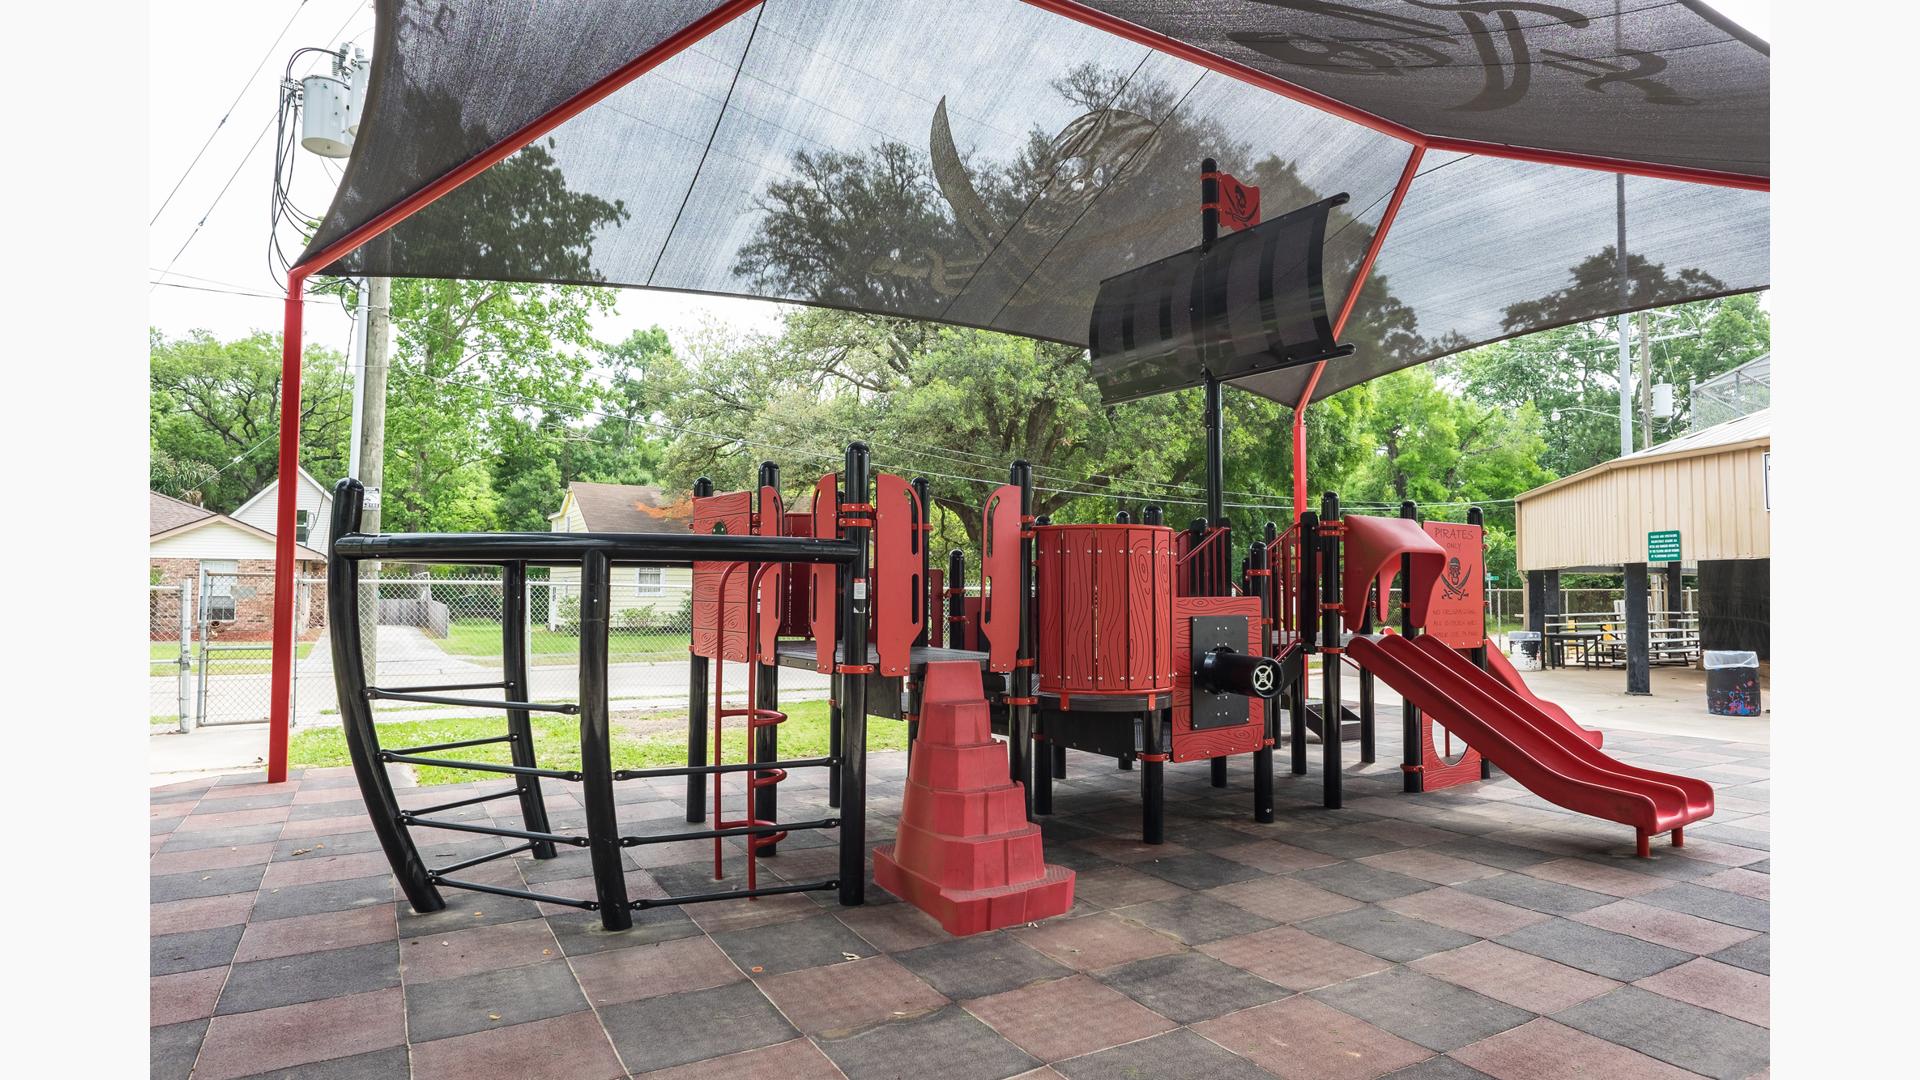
[1024, 661]
[855, 669]
[1028, 701]
[861, 515]
[1259, 573]
[1152, 757]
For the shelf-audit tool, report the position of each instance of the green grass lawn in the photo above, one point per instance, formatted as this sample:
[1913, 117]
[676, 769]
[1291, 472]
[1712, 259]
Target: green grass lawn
[556, 742]
[481, 637]
[253, 660]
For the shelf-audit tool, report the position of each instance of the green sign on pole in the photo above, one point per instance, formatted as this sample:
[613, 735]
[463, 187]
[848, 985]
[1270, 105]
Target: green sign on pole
[1663, 546]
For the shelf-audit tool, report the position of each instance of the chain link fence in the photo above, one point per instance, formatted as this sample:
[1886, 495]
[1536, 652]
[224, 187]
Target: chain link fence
[421, 629]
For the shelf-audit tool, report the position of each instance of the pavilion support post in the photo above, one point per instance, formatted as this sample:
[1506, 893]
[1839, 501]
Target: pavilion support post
[1536, 600]
[280, 686]
[1676, 599]
[698, 680]
[1639, 679]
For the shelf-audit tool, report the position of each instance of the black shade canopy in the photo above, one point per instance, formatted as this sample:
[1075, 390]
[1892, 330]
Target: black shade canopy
[989, 163]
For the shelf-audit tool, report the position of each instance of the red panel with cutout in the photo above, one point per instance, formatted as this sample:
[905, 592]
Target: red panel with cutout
[1000, 578]
[899, 592]
[732, 515]
[823, 593]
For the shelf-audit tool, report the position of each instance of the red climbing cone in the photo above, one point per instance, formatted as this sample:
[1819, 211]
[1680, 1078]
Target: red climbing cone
[966, 853]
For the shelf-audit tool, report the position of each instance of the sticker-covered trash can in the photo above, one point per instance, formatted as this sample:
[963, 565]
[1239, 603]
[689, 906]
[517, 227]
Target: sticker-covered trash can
[1733, 682]
[1523, 648]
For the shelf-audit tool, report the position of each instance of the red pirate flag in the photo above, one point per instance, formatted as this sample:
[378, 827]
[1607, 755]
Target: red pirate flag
[1239, 204]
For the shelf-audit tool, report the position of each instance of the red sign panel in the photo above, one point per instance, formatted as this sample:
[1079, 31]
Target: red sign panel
[1457, 614]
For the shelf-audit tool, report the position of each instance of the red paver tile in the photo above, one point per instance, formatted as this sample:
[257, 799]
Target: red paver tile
[247, 791]
[1124, 849]
[571, 1047]
[1410, 833]
[316, 933]
[1431, 866]
[238, 819]
[243, 1044]
[1118, 886]
[306, 796]
[795, 1060]
[839, 999]
[431, 957]
[669, 967]
[1543, 1050]
[725, 915]
[1068, 1017]
[1283, 899]
[1465, 912]
[1298, 1038]
[1710, 984]
[1094, 942]
[1712, 851]
[1674, 929]
[1596, 877]
[1520, 979]
[315, 868]
[1745, 882]
[160, 811]
[1275, 857]
[352, 823]
[218, 858]
[200, 913]
[895, 928]
[1294, 958]
[189, 995]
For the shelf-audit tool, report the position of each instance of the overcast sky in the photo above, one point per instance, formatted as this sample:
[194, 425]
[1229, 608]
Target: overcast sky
[201, 54]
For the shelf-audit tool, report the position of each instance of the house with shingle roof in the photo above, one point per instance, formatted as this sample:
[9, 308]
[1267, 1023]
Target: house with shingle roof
[644, 597]
[226, 565]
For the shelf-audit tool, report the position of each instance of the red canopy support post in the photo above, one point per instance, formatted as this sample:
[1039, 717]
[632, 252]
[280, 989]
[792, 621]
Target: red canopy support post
[1407, 174]
[280, 698]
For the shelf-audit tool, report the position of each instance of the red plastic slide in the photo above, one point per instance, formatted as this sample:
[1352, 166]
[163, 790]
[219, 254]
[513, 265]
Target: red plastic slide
[1530, 745]
[1502, 669]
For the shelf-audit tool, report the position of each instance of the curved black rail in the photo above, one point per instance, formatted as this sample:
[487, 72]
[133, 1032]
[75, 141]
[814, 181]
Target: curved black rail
[595, 554]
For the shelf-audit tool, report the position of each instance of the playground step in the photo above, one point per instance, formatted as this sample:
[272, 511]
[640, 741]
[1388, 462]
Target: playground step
[972, 911]
[971, 862]
[1349, 721]
[979, 812]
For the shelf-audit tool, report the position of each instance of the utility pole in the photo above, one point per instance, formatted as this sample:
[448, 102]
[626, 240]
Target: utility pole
[1646, 384]
[371, 450]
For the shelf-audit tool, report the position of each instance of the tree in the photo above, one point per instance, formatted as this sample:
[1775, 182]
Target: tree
[213, 415]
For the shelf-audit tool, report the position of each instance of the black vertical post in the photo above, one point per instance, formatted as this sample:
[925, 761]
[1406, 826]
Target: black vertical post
[836, 682]
[1308, 621]
[513, 668]
[1020, 713]
[766, 743]
[1639, 678]
[1553, 595]
[356, 712]
[1536, 600]
[1151, 516]
[1122, 517]
[1258, 559]
[1330, 706]
[697, 683]
[853, 688]
[596, 748]
[1412, 754]
[1366, 684]
[956, 597]
[1676, 589]
[1049, 757]
[1058, 748]
[929, 604]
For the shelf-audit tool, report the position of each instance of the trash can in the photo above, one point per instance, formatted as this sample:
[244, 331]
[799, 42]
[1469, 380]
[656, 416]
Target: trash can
[1733, 682]
[1523, 648]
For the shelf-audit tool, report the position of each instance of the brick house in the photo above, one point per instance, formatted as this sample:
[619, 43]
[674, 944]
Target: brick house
[227, 564]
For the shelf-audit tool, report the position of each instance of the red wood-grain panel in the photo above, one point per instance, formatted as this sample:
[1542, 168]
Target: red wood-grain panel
[1189, 744]
[772, 592]
[730, 514]
[1000, 578]
[823, 594]
[897, 585]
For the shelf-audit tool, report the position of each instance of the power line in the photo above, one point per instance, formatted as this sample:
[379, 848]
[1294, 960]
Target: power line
[255, 73]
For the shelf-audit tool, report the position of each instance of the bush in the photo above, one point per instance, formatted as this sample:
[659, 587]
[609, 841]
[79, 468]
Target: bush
[569, 621]
[631, 620]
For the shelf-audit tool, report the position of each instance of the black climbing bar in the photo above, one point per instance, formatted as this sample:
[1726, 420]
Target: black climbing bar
[736, 830]
[514, 618]
[445, 686]
[709, 770]
[855, 578]
[596, 742]
[490, 830]
[356, 715]
[564, 549]
[697, 683]
[374, 693]
[479, 766]
[488, 857]
[518, 894]
[731, 894]
[458, 803]
[462, 744]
